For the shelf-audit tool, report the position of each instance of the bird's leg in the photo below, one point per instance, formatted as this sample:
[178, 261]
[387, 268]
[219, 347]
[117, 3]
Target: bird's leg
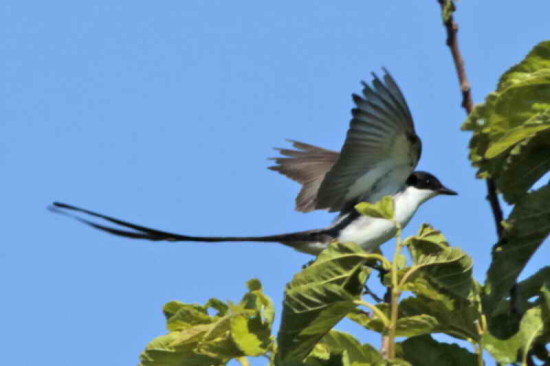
[369, 292]
[381, 273]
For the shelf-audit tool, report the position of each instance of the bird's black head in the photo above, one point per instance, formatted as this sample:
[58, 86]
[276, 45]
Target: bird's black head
[424, 180]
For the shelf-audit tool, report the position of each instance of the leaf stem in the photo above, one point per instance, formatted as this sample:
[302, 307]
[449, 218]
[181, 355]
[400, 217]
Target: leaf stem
[395, 293]
[379, 313]
[385, 262]
[481, 325]
[479, 353]
[409, 273]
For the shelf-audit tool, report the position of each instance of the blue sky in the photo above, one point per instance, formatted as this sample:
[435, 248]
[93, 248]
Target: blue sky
[164, 114]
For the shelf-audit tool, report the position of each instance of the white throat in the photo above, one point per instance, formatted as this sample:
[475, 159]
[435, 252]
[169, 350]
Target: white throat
[370, 233]
[408, 201]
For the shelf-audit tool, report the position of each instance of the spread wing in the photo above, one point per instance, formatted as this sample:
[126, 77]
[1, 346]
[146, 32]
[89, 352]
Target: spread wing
[307, 164]
[380, 151]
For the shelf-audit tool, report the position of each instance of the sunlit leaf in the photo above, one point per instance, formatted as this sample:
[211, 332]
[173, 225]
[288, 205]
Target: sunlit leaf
[447, 267]
[383, 209]
[161, 352]
[538, 59]
[402, 261]
[370, 320]
[446, 298]
[354, 353]
[181, 316]
[510, 138]
[198, 338]
[319, 297]
[407, 326]
[544, 301]
[257, 299]
[512, 128]
[217, 342]
[515, 348]
[251, 335]
[454, 316]
[449, 8]
[338, 349]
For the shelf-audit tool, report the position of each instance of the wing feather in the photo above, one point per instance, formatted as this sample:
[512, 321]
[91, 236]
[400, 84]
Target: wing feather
[380, 151]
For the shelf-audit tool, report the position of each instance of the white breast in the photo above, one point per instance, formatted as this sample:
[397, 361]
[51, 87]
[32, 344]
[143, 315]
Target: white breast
[369, 233]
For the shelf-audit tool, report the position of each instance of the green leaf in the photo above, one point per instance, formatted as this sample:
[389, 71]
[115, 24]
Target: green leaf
[544, 300]
[257, 299]
[182, 316]
[217, 341]
[446, 267]
[538, 59]
[527, 162]
[319, 357]
[319, 297]
[538, 123]
[354, 353]
[504, 320]
[545, 296]
[425, 351]
[333, 350]
[254, 285]
[525, 230]
[251, 335]
[407, 326]
[531, 287]
[162, 352]
[447, 10]
[402, 261]
[383, 209]
[370, 320]
[516, 348]
[411, 326]
[512, 128]
[446, 298]
[218, 305]
[394, 362]
[332, 360]
[197, 338]
[454, 316]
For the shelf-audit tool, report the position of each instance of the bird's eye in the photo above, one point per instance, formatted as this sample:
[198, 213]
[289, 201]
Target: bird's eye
[428, 181]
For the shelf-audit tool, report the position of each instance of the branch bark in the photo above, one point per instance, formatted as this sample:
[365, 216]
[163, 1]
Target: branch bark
[451, 28]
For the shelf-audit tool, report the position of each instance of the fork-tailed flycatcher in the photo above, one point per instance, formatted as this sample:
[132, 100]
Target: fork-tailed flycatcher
[378, 158]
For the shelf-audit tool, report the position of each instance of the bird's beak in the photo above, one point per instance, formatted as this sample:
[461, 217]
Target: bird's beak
[447, 191]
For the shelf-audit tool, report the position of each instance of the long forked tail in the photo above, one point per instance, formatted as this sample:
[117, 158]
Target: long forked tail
[129, 230]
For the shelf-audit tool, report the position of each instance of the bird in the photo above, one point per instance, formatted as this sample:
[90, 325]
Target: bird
[378, 158]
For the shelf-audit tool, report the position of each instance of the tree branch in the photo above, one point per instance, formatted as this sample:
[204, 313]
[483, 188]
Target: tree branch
[467, 103]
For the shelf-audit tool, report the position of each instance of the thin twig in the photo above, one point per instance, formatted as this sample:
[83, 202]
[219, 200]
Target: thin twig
[385, 338]
[467, 103]
[495, 206]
